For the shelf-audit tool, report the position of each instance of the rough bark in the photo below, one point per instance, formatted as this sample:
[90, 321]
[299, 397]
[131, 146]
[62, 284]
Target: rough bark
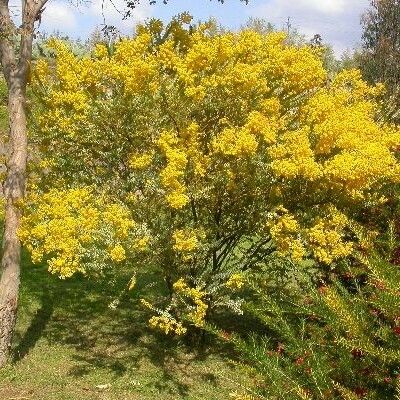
[14, 188]
[15, 70]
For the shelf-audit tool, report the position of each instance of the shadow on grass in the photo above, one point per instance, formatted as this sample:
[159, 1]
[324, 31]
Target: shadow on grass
[75, 313]
[36, 327]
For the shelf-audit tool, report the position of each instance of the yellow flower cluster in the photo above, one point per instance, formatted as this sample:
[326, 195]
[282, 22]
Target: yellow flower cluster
[231, 120]
[293, 157]
[63, 224]
[357, 151]
[164, 322]
[140, 161]
[244, 141]
[235, 282]
[167, 325]
[117, 253]
[337, 120]
[285, 231]
[198, 313]
[258, 56]
[101, 51]
[142, 243]
[235, 142]
[68, 101]
[76, 81]
[181, 153]
[120, 219]
[325, 238]
[266, 124]
[172, 174]
[133, 64]
[185, 240]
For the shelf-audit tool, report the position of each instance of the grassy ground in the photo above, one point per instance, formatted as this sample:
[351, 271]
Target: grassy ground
[70, 345]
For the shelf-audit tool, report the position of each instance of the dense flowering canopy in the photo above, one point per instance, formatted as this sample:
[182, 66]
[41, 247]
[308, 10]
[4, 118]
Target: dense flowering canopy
[77, 231]
[229, 146]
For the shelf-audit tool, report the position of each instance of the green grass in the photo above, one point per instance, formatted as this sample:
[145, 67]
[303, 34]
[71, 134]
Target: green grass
[3, 118]
[70, 345]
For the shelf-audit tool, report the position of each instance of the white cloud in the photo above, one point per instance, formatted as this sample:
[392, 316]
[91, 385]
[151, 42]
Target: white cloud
[111, 12]
[337, 21]
[79, 20]
[59, 16]
[324, 6]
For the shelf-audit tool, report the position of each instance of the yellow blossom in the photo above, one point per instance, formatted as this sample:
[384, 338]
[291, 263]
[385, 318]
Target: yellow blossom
[117, 253]
[140, 161]
[235, 281]
[185, 240]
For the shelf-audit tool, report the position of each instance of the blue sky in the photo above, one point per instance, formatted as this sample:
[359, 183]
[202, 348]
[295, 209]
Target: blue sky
[338, 21]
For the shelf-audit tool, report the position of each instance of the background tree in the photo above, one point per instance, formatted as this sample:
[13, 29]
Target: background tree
[380, 58]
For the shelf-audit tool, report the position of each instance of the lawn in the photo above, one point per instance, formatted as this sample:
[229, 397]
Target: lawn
[70, 344]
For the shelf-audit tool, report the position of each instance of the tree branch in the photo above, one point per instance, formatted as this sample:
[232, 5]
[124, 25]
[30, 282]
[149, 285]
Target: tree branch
[7, 30]
[31, 10]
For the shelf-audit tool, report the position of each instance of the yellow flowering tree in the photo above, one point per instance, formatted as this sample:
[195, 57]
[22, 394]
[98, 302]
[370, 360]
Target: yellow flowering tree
[230, 147]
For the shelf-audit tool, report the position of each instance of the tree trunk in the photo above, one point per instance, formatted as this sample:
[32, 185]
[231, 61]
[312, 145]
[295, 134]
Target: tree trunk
[14, 188]
[15, 61]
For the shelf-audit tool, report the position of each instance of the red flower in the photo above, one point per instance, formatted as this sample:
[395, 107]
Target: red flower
[361, 392]
[357, 353]
[396, 330]
[226, 335]
[299, 361]
[322, 289]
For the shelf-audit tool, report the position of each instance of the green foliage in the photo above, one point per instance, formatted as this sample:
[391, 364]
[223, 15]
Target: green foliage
[259, 25]
[330, 337]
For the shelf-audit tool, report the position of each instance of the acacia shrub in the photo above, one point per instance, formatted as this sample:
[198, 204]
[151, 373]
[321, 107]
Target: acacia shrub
[228, 147]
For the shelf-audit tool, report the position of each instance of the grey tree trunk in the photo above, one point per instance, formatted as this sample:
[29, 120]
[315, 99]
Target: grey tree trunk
[14, 188]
